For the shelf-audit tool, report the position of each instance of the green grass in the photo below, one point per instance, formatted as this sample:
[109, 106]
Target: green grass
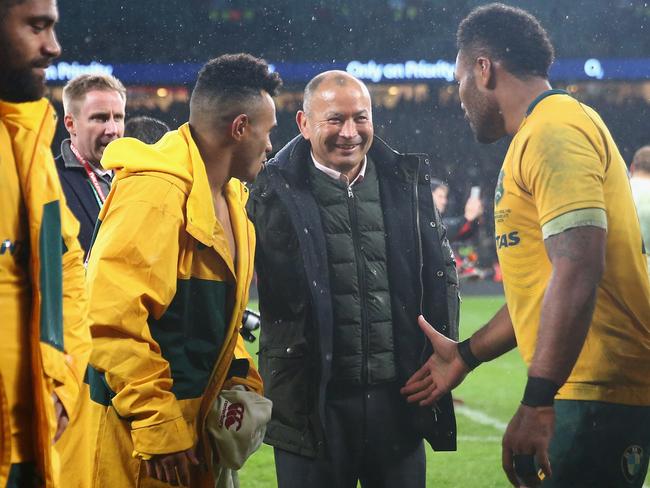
[494, 389]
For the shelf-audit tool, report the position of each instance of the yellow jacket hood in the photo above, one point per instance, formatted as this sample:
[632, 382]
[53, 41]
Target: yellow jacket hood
[175, 155]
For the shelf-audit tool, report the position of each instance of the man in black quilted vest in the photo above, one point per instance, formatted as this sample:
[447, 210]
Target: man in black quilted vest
[350, 251]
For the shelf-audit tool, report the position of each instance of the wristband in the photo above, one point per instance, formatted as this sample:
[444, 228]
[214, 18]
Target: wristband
[539, 392]
[467, 355]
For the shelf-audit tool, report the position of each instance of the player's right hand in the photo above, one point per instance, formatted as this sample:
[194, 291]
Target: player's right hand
[172, 468]
[528, 435]
[441, 373]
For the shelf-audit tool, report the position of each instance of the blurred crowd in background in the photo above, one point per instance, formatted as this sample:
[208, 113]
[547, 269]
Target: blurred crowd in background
[415, 117]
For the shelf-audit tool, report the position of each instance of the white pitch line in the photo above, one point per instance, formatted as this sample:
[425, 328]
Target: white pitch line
[480, 417]
[479, 438]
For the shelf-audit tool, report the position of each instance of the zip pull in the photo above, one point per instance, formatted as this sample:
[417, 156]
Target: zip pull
[436, 409]
[350, 194]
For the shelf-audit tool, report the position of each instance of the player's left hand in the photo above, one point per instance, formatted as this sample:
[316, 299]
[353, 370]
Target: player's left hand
[62, 418]
[526, 440]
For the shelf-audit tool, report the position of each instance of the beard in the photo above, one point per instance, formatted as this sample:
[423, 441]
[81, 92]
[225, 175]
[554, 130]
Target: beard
[490, 127]
[19, 83]
[485, 118]
[21, 86]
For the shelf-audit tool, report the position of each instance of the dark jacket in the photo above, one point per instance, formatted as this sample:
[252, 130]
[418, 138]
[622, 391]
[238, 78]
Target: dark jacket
[295, 300]
[79, 194]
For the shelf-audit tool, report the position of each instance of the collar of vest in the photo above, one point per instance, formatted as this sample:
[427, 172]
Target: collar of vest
[293, 159]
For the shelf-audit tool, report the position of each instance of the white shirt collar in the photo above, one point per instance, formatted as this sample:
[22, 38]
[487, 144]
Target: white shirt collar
[337, 175]
[102, 171]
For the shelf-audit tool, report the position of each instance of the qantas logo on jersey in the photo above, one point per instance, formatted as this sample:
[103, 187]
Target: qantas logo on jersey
[507, 240]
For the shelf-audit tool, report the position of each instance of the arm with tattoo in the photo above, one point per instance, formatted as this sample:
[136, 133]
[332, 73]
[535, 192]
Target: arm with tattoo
[578, 259]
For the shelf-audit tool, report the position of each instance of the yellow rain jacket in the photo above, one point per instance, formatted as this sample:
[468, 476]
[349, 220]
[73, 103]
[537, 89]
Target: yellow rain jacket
[58, 334]
[166, 305]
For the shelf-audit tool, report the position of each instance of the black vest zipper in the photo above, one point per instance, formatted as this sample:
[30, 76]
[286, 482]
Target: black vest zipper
[352, 207]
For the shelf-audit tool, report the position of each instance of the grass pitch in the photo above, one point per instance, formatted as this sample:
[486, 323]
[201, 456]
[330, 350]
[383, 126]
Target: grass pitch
[490, 395]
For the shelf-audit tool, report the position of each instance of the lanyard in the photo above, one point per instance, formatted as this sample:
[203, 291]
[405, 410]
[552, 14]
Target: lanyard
[91, 175]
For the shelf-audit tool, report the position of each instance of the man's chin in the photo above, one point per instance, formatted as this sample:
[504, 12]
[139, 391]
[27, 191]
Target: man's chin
[486, 138]
[251, 174]
[487, 134]
[22, 95]
[22, 85]
[348, 161]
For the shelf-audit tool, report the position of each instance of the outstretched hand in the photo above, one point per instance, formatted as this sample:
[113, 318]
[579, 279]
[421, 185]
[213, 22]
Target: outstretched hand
[441, 373]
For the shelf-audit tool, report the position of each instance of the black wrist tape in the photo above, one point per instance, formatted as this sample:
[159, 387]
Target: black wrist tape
[539, 392]
[467, 355]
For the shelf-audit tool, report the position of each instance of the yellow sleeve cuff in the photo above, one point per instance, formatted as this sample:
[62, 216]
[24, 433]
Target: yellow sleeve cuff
[164, 438]
[595, 217]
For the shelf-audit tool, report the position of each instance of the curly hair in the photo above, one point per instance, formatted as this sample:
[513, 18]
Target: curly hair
[507, 34]
[233, 79]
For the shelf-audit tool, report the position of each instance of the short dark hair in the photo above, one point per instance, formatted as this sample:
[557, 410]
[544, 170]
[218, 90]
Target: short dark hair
[145, 129]
[507, 34]
[233, 79]
[5, 5]
[339, 77]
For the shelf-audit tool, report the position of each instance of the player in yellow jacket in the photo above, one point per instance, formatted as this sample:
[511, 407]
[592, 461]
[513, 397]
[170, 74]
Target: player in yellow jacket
[45, 342]
[574, 269]
[169, 274]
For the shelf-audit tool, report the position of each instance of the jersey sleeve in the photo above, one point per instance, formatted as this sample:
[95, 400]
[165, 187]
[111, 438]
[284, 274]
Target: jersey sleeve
[563, 168]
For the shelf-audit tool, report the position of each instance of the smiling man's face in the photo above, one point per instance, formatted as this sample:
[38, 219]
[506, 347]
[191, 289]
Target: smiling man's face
[28, 45]
[339, 124]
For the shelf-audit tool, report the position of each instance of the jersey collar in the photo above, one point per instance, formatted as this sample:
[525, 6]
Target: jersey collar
[541, 97]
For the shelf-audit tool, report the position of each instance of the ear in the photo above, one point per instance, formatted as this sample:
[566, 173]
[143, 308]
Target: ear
[238, 126]
[68, 122]
[301, 120]
[484, 72]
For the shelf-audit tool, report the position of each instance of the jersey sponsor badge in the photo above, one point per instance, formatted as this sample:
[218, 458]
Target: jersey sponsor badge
[631, 462]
